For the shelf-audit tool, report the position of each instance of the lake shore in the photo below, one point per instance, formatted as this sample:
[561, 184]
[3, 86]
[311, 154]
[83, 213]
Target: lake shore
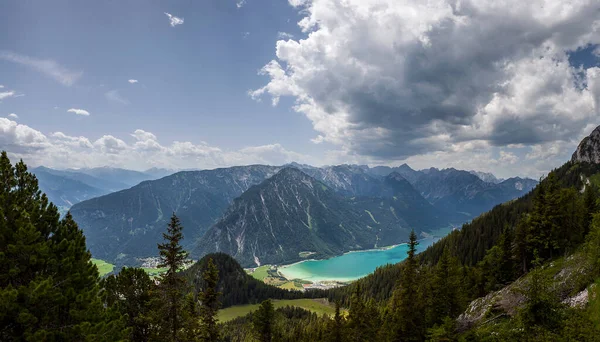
[353, 265]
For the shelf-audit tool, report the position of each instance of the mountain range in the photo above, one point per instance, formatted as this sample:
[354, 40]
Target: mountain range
[374, 206]
[292, 215]
[67, 187]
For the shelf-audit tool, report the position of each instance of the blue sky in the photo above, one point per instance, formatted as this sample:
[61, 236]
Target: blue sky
[509, 90]
[193, 78]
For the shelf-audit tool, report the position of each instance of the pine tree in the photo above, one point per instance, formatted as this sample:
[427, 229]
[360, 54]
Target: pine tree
[406, 306]
[209, 298]
[48, 285]
[264, 321]
[590, 202]
[337, 325]
[542, 308]
[445, 290]
[172, 286]
[130, 292]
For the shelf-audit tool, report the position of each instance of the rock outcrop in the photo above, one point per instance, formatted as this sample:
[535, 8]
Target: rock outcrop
[588, 149]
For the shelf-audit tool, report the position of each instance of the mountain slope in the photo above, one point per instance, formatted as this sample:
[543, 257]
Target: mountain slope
[128, 224]
[64, 191]
[461, 191]
[346, 180]
[235, 285]
[487, 177]
[118, 175]
[105, 185]
[588, 150]
[292, 212]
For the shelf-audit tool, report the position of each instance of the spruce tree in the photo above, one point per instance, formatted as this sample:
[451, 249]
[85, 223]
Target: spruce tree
[362, 317]
[48, 286]
[445, 289]
[337, 325]
[209, 298]
[264, 321]
[172, 286]
[406, 307]
[130, 292]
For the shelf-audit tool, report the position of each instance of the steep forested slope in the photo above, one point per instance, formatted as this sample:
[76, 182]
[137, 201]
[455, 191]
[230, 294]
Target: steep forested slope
[235, 285]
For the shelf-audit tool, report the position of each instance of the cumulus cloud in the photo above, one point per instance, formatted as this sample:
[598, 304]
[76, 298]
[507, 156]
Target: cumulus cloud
[13, 115]
[21, 139]
[173, 20]
[79, 111]
[132, 81]
[140, 150]
[46, 66]
[390, 80]
[115, 96]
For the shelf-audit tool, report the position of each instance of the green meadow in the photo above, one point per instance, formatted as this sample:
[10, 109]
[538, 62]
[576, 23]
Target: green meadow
[104, 268]
[319, 306]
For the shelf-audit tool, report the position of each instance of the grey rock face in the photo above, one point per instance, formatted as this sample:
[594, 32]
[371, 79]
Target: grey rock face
[588, 149]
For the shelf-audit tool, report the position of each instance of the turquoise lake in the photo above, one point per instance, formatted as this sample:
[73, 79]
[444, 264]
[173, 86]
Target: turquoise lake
[354, 265]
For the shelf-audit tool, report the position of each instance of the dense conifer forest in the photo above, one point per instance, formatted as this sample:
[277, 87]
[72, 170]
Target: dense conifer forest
[50, 290]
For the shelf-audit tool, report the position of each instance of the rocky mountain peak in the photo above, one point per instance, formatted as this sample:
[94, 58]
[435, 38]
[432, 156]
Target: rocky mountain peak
[588, 149]
[395, 176]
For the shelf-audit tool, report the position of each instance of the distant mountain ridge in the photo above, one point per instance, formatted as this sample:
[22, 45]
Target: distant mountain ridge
[68, 187]
[292, 212]
[126, 225]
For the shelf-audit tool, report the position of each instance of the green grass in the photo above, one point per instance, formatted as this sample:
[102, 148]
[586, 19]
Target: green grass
[104, 268]
[290, 285]
[318, 306]
[153, 272]
[260, 272]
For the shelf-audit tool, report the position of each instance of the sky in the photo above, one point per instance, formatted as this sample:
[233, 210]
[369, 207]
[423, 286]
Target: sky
[508, 87]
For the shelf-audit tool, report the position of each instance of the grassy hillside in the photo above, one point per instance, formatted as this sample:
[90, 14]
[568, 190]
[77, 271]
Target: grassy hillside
[104, 267]
[318, 306]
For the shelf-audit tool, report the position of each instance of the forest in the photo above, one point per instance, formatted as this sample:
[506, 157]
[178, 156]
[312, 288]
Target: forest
[50, 290]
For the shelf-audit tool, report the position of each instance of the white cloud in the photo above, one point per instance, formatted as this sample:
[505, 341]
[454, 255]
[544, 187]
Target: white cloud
[1, 86]
[284, 35]
[141, 150]
[64, 139]
[13, 115]
[132, 81]
[173, 20]
[508, 157]
[20, 139]
[240, 3]
[46, 66]
[387, 80]
[115, 96]
[6, 94]
[79, 111]
[109, 144]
